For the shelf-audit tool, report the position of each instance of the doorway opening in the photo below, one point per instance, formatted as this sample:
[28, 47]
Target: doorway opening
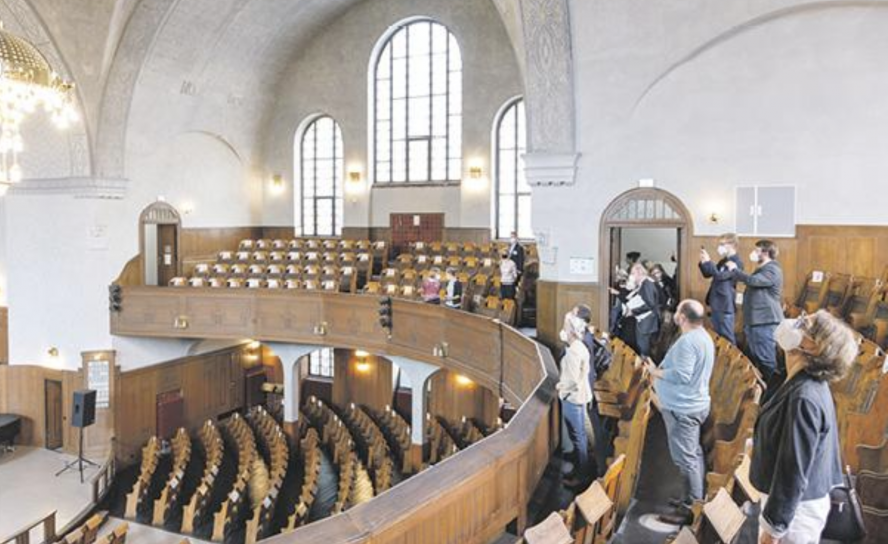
[655, 224]
[159, 228]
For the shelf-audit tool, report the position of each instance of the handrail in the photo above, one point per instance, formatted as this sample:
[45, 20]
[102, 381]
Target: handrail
[469, 497]
[23, 536]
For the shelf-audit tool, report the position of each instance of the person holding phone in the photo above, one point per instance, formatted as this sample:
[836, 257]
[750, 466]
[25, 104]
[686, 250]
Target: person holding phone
[722, 295]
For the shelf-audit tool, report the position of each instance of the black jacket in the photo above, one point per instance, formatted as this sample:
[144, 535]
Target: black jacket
[649, 293]
[762, 304]
[457, 294]
[796, 455]
[722, 294]
[516, 253]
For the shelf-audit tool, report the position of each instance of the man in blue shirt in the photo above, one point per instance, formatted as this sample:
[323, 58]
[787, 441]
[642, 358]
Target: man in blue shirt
[681, 384]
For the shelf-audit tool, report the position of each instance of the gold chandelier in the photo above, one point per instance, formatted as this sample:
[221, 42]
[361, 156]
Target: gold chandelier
[26, 82]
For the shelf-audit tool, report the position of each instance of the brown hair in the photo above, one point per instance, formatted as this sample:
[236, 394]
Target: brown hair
[768, 247]
[730, 238]
[832, 349]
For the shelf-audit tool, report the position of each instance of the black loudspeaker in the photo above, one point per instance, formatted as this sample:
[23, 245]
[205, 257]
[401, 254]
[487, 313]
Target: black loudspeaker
[84, 412]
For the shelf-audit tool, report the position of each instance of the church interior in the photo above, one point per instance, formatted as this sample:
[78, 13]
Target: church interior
[443, 271]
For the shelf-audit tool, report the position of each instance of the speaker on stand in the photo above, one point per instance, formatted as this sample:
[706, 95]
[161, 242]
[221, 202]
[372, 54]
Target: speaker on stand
[83, 415]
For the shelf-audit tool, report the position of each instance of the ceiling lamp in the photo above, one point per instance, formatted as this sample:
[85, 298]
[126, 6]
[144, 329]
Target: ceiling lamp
[26, 82]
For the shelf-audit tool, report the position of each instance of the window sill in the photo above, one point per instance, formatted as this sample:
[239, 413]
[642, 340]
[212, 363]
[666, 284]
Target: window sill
[403, 184]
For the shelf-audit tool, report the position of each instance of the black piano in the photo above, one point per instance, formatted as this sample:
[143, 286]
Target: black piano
[10, 427]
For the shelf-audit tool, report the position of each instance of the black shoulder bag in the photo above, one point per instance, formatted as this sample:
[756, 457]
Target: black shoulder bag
[845, 521]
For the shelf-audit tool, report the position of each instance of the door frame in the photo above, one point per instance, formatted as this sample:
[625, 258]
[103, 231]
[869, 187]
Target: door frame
[643, 207]
[160, 213]
[46, 418]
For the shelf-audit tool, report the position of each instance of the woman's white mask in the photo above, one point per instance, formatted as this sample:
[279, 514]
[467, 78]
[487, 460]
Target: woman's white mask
[755, 257]
[789, 335]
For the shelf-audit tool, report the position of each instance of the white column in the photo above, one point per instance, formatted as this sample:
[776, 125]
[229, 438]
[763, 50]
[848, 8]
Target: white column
[290, 355]
[418, 373]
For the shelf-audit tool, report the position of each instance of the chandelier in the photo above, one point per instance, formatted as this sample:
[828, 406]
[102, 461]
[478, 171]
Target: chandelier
[27, 81]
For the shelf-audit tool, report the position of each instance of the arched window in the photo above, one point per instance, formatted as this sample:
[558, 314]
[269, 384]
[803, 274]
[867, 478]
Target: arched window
[417, 123]
[321, 168]
[512, 201]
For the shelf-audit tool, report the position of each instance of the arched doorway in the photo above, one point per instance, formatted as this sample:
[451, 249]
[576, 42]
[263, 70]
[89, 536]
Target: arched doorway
[644, 213]
[159, 226]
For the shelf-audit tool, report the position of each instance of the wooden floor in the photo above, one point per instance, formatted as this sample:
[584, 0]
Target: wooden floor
[29, 489]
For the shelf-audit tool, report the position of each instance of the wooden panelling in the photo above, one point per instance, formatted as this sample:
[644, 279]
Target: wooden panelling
[4, 335]
[210, 385]
[24, 394]
[454, 398]
[369, 385]
[202, 243]
[554, 299]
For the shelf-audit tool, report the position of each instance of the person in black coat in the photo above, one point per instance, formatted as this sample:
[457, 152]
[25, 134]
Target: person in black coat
[722, 295]
[762, 307]
[796, 457]
[643, 307]
[516, 253]
[453, 290]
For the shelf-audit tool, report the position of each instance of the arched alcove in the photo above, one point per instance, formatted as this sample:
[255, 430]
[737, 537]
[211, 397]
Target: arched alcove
[642, 208]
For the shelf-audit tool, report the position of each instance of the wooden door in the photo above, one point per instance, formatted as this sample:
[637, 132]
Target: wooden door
[167, 253]
[54, 425]
[415, 227]
[170, 413]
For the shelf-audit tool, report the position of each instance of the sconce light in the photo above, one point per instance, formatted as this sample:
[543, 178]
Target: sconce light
[254, 344]
[475, 171]
[463, 380]
[354, 176]
[187, 208]
[441, 350]
[361, 354]
[277, 183]
[362, 366]
[320, 329]
[53, 352]
[714, 218]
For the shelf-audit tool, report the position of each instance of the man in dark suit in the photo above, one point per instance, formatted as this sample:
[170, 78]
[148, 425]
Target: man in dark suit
[762, 306]
[722, 294]
[516, 253]
[643, 305]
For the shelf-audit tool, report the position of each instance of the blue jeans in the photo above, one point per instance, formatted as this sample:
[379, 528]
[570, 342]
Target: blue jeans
[762, 348]
[724, 325]
[683, 436]
[575, 419]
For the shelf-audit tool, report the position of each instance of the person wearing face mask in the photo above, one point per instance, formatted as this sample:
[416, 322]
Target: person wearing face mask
[643, 307]
[722, 295]
[575, 393]
[682, 387]
[516, 253]
[762, 307]
[796, 457]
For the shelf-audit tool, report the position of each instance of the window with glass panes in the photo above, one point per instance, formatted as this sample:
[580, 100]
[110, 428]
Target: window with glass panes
[512, 191]
[320, 363]
[418, 106]
[321, 174]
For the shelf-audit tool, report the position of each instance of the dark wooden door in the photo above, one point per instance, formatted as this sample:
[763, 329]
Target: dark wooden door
[54, 425]
[170, 413]
[167, 253]
[415, 227]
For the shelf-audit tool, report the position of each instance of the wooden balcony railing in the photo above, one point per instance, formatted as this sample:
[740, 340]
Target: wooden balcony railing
[471, 496]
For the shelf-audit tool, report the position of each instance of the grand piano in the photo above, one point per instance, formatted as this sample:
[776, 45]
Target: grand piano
[10, 427]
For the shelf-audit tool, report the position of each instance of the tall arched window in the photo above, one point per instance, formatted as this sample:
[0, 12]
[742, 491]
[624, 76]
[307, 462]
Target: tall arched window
[417, 84]
[512, 202]
[321, 173]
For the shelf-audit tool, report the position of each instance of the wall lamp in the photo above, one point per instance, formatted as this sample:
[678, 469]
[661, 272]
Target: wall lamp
[441, 350]
[320, 329]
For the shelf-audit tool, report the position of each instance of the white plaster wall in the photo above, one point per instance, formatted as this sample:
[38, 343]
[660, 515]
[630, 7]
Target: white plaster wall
[330, 76]
[705, 96]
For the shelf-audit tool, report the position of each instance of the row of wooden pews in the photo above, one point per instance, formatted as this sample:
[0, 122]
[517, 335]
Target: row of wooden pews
[195, 511]
[397, 433]
[441, 443]
[274, 441]
[168, 502]
[310, 450]
[338, 440]
[372, 446]
[136, 499]
[233, 509]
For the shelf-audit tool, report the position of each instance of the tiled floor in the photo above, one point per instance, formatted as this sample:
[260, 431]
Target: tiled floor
[29, 490]
[145, 534]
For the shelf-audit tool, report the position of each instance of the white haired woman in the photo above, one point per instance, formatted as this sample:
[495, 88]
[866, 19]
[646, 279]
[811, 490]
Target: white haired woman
[796, 459]
[575, 393]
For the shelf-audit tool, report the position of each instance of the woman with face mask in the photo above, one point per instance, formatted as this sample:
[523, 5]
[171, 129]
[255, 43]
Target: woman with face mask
[796, 458]
[575, 393]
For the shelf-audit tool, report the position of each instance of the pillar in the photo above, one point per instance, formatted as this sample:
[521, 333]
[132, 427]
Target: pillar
[419, 374]
[289, 355]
